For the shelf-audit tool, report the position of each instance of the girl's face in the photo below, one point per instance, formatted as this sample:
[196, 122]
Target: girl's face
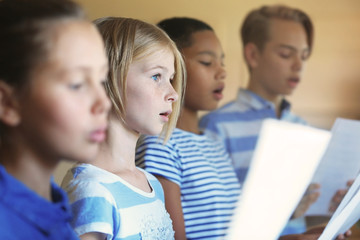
[63, 115]
[205, 72]
[149, 92]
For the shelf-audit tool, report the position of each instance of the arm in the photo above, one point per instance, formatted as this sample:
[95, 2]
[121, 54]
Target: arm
[93, 236]
[173, 206]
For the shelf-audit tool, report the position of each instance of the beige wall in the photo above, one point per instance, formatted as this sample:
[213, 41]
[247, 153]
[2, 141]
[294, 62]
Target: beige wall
[331, 83]
[330, 87]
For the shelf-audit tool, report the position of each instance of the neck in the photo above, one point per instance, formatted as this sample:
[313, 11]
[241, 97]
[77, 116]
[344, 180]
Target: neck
[188, 121]
[28, 167]
[117, 154]
[275, 98]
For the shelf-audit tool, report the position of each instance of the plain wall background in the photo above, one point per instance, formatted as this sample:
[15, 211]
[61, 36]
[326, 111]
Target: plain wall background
[330, 86]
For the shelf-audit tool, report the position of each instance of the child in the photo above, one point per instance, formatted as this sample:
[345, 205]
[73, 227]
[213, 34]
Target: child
[112, 198]
[277, 41]
[53, 107]
[200, 185]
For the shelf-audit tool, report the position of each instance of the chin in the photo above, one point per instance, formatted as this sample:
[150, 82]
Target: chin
[153, 132]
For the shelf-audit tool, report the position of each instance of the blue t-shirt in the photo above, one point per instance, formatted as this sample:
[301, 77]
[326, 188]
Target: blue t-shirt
[26, 215]
[202, 169]
[104, 202]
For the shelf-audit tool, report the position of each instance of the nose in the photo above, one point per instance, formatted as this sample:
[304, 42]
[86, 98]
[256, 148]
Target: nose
[297, 64]
[102, 103]
[172, 95]
[221, 73]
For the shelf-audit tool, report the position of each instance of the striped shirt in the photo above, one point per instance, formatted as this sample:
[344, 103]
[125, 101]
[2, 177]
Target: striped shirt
[103, 202]
[238, 124]
[202, 169]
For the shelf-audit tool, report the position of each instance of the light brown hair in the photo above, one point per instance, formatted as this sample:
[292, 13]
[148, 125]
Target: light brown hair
[128, 40]
[255, 28]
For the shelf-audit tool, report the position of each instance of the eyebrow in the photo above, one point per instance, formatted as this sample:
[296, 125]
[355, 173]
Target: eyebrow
[210, 53]
[292, 48]
[156, 67]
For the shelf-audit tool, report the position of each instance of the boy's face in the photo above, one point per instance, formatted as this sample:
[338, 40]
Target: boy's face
[278, 68]
[205, 72]
[64, 113]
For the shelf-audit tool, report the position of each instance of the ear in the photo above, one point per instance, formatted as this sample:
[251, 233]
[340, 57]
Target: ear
[251, 53]
[9, 110]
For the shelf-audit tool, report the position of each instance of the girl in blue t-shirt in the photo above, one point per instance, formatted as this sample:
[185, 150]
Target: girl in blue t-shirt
[52, 107]
[111, 198]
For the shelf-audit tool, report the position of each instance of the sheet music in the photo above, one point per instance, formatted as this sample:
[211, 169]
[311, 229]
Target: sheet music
[340, 163]
[283, 164]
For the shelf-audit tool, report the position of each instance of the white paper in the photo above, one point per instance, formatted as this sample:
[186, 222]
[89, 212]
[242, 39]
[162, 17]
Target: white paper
[283, 164]
[346, 215]
[341, 163]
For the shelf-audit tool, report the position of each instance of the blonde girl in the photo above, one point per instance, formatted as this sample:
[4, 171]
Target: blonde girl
[111, 197]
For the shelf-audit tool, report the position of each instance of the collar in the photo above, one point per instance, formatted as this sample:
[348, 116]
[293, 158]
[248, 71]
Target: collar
[31, 206]
[254, 101]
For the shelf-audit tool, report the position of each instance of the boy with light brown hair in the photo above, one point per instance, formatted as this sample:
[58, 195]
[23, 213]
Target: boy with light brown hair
[277, 40]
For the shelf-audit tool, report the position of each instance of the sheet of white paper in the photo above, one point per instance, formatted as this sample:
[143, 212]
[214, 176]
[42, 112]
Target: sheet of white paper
[341, 162]
[284, 161]
[346, 215]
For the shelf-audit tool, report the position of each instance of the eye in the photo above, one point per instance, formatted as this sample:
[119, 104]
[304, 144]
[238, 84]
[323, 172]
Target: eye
[156, 77]
[285, 55]
[305, 55]
[205, 63]
[75, 86]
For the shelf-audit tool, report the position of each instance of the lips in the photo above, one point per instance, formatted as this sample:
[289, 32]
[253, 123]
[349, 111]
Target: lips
[98, 135]
[165, 115]
[218, 92]
[293, 82]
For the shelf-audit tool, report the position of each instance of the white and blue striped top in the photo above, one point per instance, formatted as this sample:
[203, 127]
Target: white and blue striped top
[203, 170]
[238, 124]
[103, 202]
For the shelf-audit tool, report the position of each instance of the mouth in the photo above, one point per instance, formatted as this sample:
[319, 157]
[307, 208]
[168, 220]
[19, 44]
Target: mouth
[218, 92]
[293, 82]
[165, 115]
[98, 135]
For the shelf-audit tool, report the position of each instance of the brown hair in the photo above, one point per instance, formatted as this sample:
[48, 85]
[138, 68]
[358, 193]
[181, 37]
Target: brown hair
[24, 37]
[128, 40]
[255, 27]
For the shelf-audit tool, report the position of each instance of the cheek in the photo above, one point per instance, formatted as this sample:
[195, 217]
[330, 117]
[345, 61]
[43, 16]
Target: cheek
[64, 115]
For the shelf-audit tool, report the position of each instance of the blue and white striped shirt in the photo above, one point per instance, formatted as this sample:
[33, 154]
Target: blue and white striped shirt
[202, 169]
[238, 124]
[103, 202]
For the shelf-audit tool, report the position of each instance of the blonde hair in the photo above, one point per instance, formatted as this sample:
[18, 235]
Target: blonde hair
[128, 40]
[255, 27]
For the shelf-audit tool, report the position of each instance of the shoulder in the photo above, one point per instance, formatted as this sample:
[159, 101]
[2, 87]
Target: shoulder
[83, 182]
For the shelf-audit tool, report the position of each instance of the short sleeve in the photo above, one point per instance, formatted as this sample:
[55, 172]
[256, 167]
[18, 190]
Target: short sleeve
[159, 159]
[93, 208]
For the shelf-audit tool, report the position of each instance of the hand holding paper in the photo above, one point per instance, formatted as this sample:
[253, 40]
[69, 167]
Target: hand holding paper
[284, 161]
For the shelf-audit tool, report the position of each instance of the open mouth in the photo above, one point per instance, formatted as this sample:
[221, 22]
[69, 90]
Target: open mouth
[294, 81]
[218, 93]
[165, 114]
